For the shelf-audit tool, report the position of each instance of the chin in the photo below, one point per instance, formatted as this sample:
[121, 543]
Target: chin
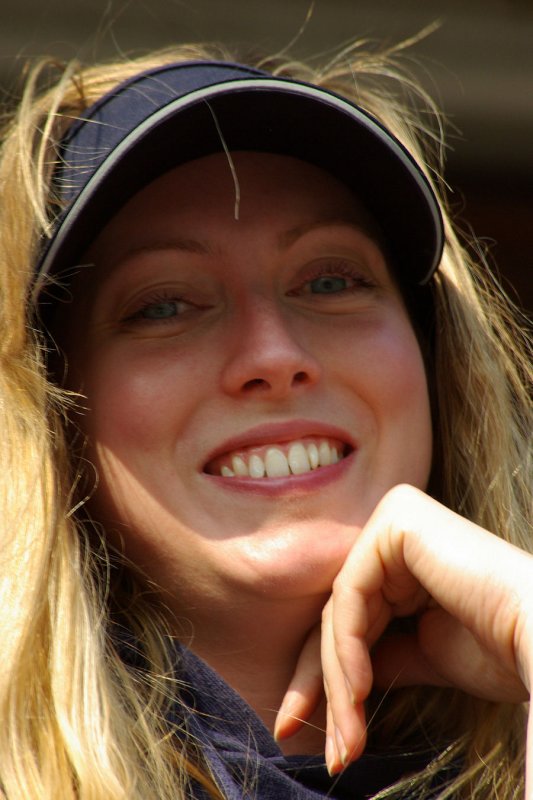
[299, 558]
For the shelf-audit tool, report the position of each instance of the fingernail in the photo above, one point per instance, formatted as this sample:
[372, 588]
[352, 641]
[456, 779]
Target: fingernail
[281, 717]
[350, 690]
[331, 756]
[341, 747]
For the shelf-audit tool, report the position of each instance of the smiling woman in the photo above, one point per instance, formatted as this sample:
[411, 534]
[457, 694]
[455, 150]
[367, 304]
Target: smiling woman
[243, 335]
[250, 323]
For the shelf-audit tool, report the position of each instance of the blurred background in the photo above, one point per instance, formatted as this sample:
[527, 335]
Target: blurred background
[477, 64]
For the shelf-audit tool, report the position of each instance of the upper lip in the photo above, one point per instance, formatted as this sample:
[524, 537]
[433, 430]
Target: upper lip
[277, 433]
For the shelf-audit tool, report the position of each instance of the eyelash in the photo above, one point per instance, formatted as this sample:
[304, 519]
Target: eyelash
[345, 269]
[158, 298]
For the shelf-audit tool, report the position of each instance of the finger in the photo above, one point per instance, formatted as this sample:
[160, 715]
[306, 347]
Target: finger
[373, 586]
[333, 759]
[346, 714]
[412, 546]
[442, 652]
[453, 655]
[304, 692]
[338, 754]
[355, 622]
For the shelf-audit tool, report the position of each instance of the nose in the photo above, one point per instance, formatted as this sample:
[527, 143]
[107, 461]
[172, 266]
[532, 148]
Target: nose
[266, 357]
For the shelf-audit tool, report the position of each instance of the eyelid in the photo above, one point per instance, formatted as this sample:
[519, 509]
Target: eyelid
[132, 309]
[137, 314]
[327, 265]
[342, 266]
[341, 239]
[131, 281]
[144, 298]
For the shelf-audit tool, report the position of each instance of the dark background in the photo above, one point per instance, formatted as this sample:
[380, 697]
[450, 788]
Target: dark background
[477, 64]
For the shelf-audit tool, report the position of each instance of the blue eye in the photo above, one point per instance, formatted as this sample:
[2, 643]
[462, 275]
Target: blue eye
[328, 284]
[161, 310]
[334, 278]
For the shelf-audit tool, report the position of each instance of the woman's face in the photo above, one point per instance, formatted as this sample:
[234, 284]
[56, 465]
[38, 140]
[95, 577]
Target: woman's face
[213, 348]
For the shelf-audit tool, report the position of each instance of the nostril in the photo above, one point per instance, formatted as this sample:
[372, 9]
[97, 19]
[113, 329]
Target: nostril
[255, 383]
[284, 382]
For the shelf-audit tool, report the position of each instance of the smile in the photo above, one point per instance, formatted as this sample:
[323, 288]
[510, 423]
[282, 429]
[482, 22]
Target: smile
[279, 460]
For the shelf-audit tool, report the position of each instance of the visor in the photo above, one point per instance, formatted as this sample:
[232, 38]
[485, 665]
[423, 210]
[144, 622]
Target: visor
[179, 112]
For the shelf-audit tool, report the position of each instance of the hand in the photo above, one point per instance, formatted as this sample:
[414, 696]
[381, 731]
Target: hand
[471, 592]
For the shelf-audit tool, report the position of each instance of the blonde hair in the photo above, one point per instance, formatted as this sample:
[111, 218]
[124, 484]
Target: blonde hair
[75, 721]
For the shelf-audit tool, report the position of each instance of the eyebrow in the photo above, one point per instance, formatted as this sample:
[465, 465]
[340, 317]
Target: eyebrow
[287, 238]
[176, 243]
[185, 244]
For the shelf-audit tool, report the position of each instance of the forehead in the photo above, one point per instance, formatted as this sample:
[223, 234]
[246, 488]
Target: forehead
[227, 189]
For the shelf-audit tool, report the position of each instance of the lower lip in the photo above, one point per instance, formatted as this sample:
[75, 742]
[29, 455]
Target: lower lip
[293, 484]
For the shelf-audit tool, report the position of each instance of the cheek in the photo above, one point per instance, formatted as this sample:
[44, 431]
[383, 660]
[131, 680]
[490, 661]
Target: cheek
[134, 418]
[381, 362]
[389, 375]
[406, 412]
[143, 410]
[136, 403]
[400, 377]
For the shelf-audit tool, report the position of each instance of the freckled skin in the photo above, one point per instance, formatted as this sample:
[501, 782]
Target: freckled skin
[252, 344]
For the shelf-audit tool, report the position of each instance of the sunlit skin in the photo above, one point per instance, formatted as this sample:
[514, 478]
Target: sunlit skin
[196, 333]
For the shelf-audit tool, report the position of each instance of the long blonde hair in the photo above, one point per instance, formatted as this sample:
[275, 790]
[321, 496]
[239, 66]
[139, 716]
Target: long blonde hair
[75, 722]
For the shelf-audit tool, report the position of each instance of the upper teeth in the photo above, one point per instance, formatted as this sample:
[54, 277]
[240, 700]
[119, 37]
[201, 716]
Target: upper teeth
[301, 457]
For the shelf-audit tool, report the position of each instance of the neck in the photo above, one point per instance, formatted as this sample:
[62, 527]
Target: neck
[255, 648]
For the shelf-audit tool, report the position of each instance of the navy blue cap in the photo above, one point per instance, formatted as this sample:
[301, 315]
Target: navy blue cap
[176, 113]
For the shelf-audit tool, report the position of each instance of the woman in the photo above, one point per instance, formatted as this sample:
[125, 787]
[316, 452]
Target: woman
[253, 343]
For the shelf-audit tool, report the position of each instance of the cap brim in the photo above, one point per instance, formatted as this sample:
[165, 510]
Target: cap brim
[275, 116]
